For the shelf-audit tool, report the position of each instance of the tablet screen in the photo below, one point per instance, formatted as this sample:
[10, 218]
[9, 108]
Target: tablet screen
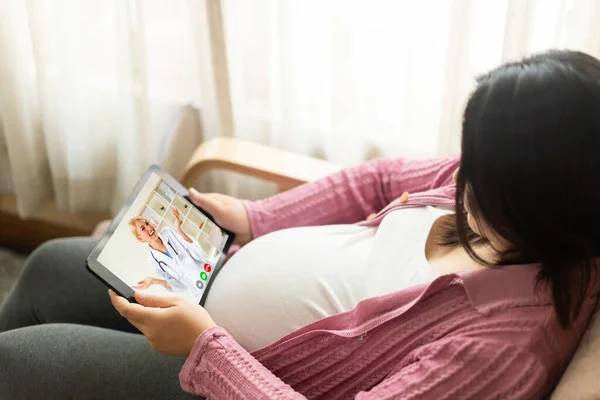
[164, 244]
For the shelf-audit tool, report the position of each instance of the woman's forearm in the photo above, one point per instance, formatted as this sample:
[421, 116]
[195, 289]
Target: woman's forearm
[350, 195]
[184, 235]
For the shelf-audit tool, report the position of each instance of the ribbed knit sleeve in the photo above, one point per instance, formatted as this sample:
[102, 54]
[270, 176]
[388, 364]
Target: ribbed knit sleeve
[464, 368]
[219, 368]
[350, 195]
[457, 368]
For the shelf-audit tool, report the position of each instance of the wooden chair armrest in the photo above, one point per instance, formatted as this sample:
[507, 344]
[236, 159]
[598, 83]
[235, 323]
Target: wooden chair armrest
[100, 228]
[282, 167]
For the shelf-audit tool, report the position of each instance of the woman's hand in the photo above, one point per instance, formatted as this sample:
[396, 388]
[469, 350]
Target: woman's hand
[144, 283]
[149, 281]
[177, 218]
[178, 226]
[170, 323]
[227, 211]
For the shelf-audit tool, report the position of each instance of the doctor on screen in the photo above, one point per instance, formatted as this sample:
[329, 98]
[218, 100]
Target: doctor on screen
[174, 256]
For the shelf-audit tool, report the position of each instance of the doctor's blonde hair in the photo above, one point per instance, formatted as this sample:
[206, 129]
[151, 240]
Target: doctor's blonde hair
[132, 222]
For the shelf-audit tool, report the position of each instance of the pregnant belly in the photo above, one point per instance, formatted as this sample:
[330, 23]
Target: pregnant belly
[285, 280]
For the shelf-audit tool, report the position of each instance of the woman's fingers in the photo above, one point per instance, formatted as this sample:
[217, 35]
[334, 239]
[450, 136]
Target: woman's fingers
[156, 301]
[176, 215]
[134, 313]
[141, 284]
[208, 202]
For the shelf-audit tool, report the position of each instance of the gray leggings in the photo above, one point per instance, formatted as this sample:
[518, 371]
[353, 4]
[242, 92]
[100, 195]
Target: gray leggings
[60, 337]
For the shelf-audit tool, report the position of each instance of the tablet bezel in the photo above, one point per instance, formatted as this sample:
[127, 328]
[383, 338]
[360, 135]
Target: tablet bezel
[110, 279]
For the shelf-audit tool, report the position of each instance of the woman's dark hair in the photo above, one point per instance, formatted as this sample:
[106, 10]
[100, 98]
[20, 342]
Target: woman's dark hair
[530, 169]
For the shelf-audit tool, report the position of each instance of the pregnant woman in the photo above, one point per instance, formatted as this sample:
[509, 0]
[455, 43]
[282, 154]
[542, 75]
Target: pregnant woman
[475, 277]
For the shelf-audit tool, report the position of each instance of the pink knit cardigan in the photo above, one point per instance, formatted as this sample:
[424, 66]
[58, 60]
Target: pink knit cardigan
[485, 334]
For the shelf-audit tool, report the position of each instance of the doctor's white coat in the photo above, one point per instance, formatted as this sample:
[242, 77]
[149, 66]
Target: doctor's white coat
[182, 271]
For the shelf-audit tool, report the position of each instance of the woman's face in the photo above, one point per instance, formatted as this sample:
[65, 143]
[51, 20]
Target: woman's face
[481, 227]
[145, 231]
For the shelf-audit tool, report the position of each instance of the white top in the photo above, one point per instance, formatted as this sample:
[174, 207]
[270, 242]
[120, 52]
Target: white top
[287, 279]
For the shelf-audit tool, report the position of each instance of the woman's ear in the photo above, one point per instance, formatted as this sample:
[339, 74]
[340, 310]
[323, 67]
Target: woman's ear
[139, 238]
[455, 175]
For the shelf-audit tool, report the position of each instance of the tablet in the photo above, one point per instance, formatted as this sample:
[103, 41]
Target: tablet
[160, 242]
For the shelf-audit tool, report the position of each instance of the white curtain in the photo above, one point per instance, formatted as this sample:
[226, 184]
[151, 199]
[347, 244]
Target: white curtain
[348, 79]
[86, 91]
[87, 87]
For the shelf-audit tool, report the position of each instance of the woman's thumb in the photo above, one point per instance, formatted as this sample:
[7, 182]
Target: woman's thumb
[153, 300]
[207, 202]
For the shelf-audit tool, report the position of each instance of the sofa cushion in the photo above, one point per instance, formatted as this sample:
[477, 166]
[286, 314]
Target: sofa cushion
[581, 380]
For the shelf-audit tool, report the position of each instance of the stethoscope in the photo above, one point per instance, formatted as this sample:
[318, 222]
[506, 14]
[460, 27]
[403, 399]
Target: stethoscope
[199, 283]
[159, 263]
[180, 257]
